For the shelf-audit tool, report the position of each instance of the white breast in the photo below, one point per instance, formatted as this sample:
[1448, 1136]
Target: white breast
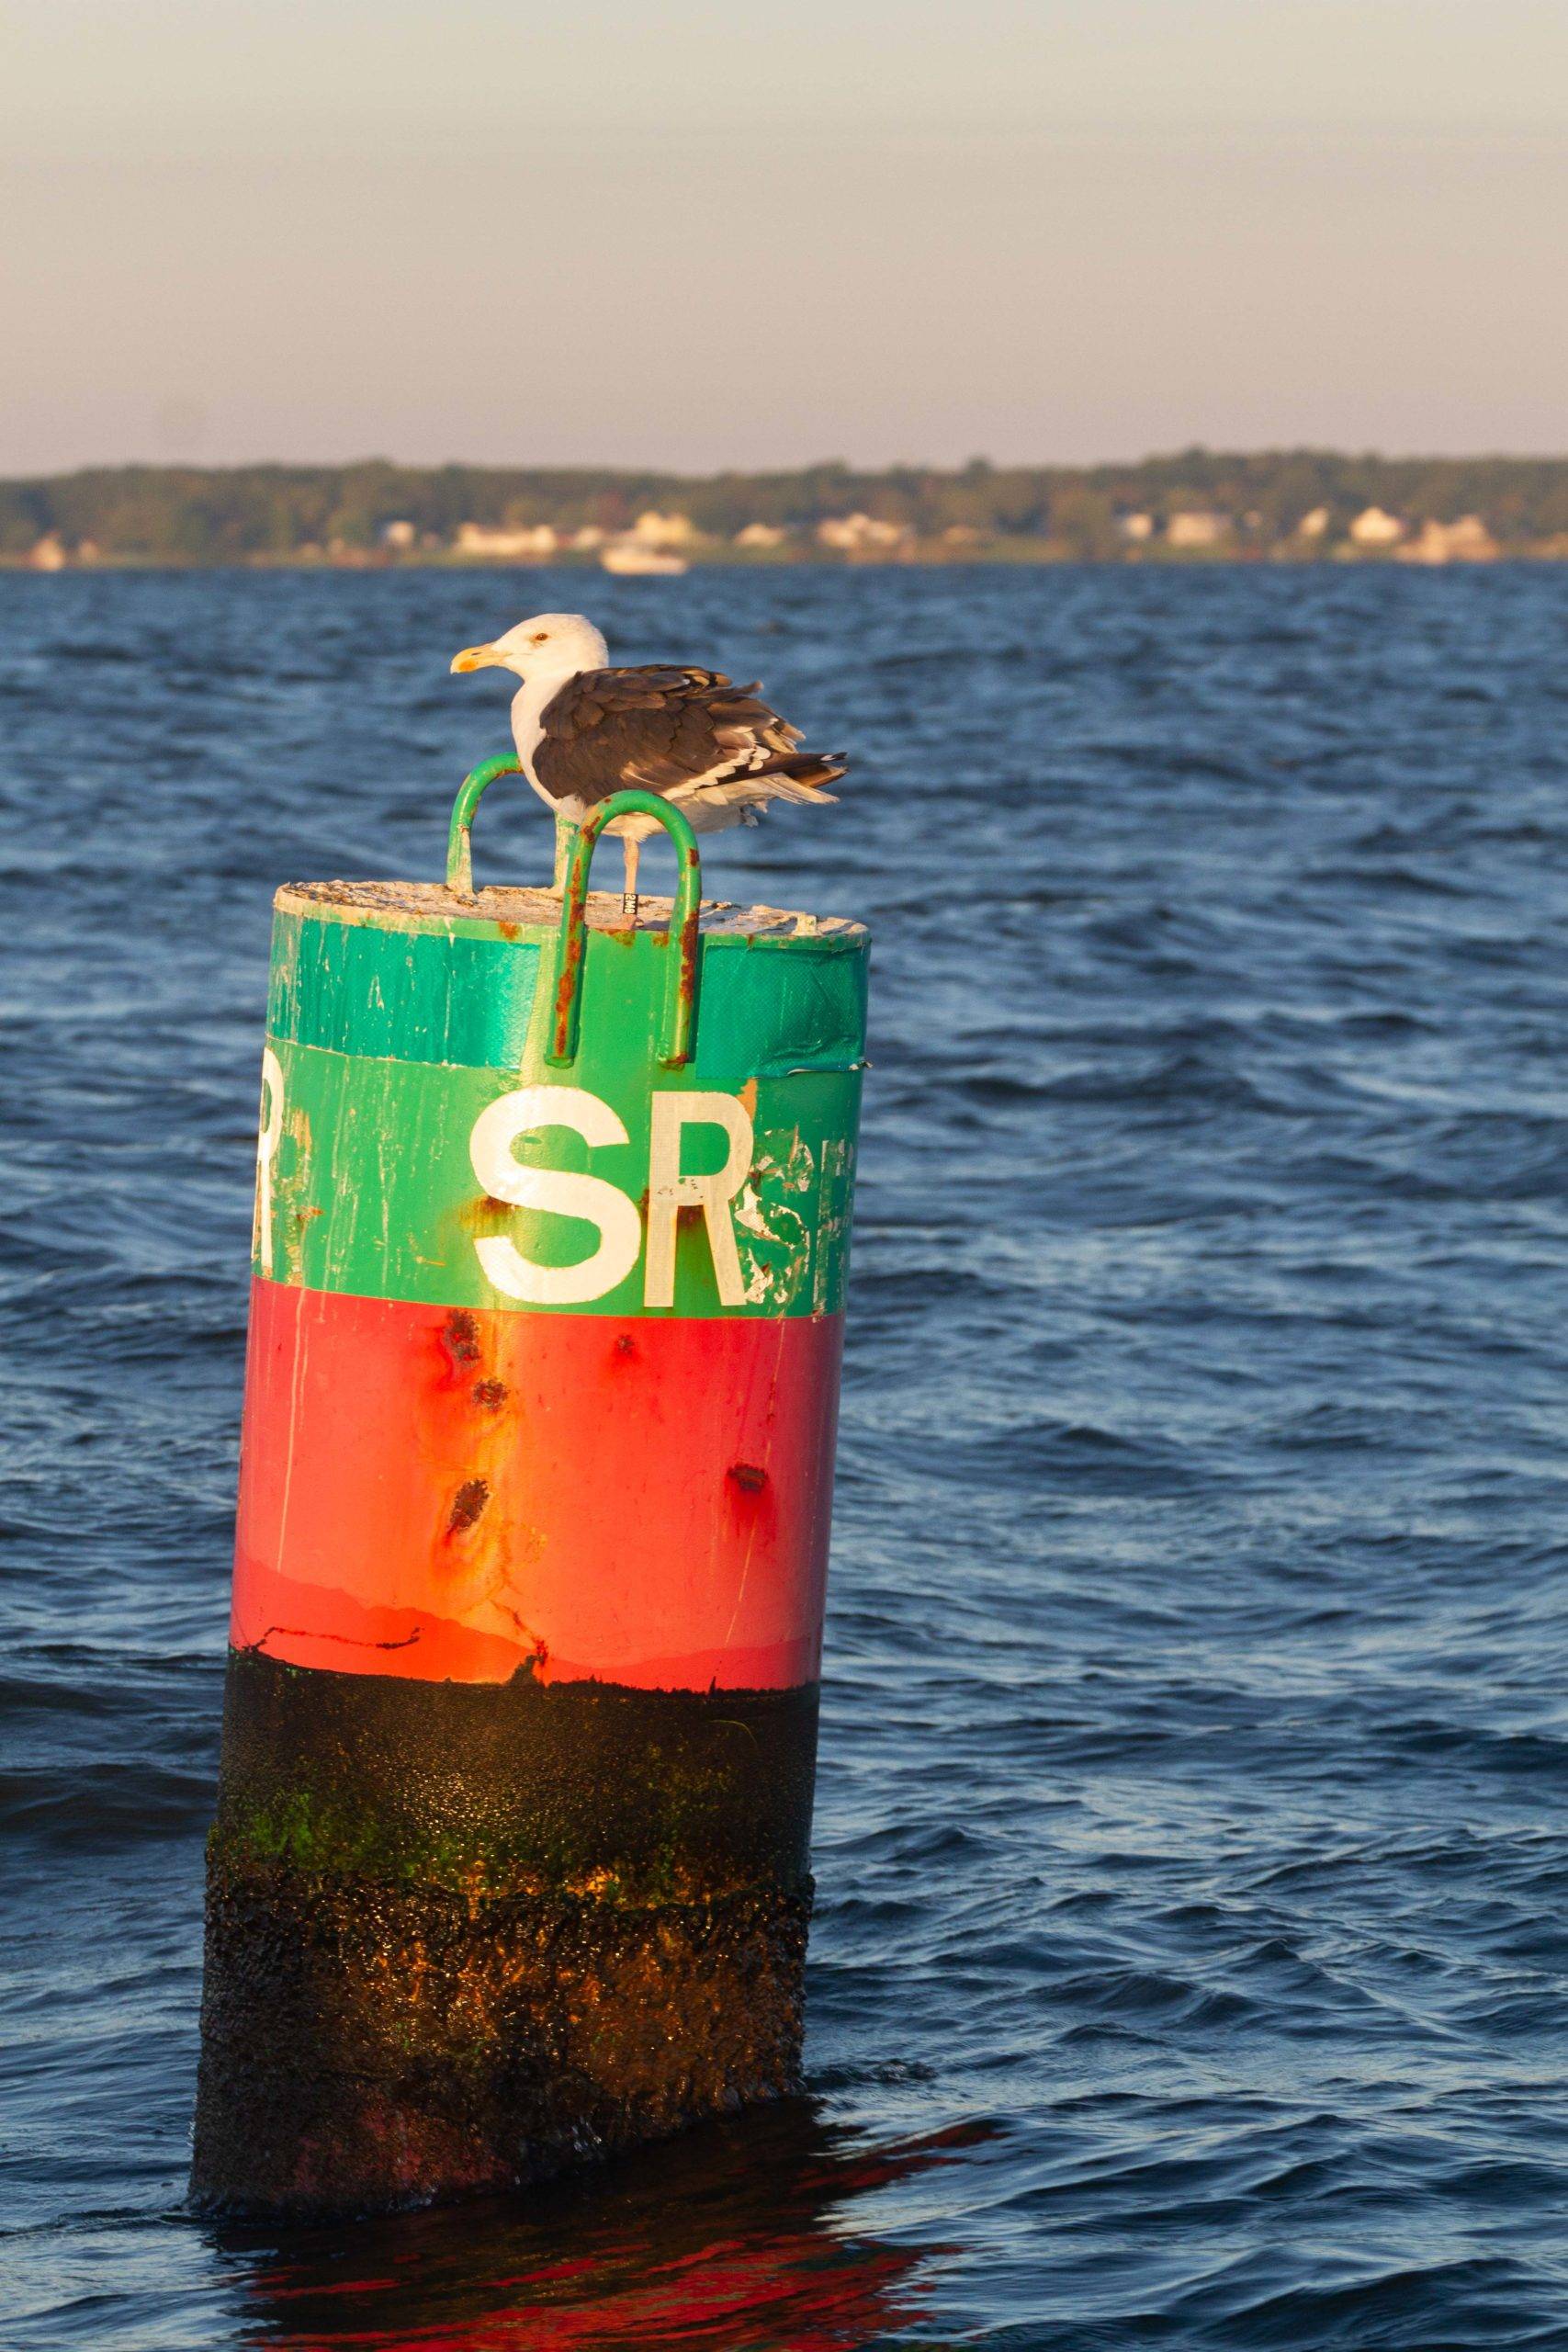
[528, 727]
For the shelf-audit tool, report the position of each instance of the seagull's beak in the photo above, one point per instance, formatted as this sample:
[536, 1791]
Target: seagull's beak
[478, 657]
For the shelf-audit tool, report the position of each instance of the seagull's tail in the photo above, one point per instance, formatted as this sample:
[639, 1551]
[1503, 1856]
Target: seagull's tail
[800, 775]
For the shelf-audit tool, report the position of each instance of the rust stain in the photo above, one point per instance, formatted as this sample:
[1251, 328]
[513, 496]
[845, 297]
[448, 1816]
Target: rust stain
[478, 1215]
[538, 1658]
[566, 985]
[460, 1337]
[749, 1476]
[467, 1505]
[491, 1393]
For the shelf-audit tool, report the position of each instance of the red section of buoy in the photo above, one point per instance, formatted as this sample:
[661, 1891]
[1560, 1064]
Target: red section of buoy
[452, 1494]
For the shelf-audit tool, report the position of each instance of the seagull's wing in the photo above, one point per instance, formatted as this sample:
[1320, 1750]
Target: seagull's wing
[689, 734]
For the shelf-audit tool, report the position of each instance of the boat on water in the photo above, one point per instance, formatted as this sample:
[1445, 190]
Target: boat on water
[628, 558]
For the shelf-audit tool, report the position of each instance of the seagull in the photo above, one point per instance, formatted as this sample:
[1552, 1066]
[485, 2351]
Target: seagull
[584, 731]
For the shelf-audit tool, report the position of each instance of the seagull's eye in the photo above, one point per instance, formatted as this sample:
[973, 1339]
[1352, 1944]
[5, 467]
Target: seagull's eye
[538, 637]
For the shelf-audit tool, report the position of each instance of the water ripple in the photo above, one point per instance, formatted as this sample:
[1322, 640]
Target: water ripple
[1192, 1843]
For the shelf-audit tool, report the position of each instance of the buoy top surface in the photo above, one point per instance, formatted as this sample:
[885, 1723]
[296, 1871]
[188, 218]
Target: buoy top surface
[504, 913]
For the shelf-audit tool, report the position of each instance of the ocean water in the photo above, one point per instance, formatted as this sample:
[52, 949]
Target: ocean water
[1190, 1966]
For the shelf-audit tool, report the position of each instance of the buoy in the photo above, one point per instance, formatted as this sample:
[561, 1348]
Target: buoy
[510, 1864]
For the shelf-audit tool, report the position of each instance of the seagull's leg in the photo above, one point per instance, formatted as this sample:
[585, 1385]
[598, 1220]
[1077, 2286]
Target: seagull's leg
[630, 851]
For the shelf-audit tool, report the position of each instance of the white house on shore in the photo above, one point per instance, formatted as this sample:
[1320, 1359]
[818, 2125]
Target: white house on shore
[1466, 541]
[760, 536]
[652, 529]
[1374, 528]
[860, 534]
[1195, 527]
[506, 543]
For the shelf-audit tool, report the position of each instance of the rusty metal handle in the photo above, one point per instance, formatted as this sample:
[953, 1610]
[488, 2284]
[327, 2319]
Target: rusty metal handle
[680, 941]
[460, 847]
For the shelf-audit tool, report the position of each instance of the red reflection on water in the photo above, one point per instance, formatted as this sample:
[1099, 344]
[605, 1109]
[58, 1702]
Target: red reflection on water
[734, 2236]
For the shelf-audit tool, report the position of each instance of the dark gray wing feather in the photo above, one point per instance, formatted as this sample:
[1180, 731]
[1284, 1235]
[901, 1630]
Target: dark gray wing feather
[664, 729]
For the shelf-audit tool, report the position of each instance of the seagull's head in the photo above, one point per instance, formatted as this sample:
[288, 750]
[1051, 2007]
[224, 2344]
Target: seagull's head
[552, 645]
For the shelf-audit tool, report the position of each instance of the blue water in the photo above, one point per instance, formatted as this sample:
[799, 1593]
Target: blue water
[1190, 1965]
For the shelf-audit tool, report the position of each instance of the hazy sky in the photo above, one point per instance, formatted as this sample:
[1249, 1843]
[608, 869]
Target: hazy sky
[753, 234]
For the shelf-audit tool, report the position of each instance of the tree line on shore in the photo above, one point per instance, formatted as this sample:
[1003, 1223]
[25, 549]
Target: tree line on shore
[1301, 502]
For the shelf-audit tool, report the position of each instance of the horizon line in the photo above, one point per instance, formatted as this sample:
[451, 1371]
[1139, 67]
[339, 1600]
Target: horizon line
[1193, 449]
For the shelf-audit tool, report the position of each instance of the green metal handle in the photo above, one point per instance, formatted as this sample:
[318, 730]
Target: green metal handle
[460, 848]
[680, 941]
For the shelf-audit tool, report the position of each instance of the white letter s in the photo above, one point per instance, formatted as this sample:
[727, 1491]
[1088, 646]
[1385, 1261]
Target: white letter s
[495, 1132]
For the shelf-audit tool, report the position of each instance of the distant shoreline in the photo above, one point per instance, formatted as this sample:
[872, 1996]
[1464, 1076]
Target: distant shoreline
[985, 558]
[1199, 506]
